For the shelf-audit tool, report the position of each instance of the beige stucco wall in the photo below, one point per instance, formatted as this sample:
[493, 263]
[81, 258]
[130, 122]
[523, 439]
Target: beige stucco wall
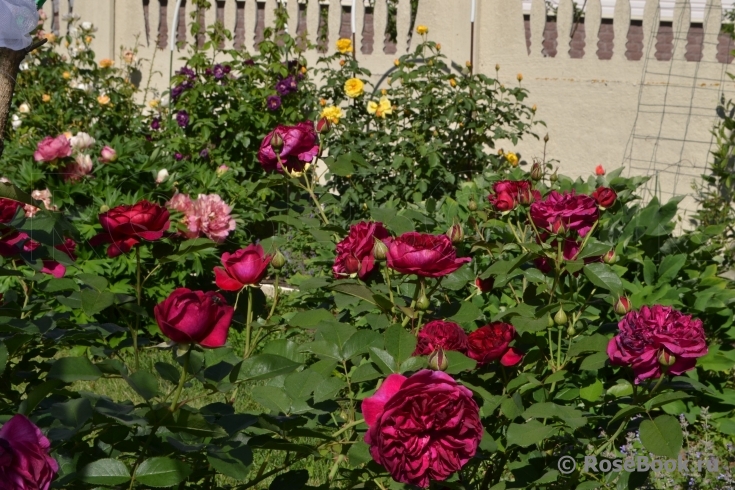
[652, 116]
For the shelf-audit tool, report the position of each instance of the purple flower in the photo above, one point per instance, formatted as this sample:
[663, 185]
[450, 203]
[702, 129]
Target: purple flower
[282, 87]
[182, 118]
[208, 72]
[177, 91]
[155, 124]
[219, 71]
[204, 153]
[227, 69]
[188, 72]
[273, 102]
[249, 62]
[178, 156]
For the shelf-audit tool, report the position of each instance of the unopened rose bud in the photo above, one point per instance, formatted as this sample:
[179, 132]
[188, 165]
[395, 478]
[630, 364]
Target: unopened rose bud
[380, 249]
[610, 258]
[571, 331]
[423, 303]
[438, 360]
[277, 142]
[546, 138]
[396, 62]
[456, 233]
[161, 176]
[221, 170]
[278, 260]
[553, 177]
[550, 321]
[323, 126]
[104, 208]
[561, 318]
[558, 227]
[438, 47]
[666, 359]
[352, 265]
[622, 306]
[497, 67]
[519, 77]
[364, 206]
[108, 155]
[468, 64]
[472, 205]
[537, 173]
[525, 197]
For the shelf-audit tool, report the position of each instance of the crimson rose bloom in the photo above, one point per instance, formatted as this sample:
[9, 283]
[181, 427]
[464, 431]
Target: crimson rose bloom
[422, 428]
[577, 212]
[656, 331]
[18, 242]
[245, 267]
[50, 149]
[355, 252]
[300, 146]
[125, 226]
[507, 194]
[188, 316]
[605, 197]
[8, 208]
[491, 342]
[438, 333]
[424, 255]
[24, 460]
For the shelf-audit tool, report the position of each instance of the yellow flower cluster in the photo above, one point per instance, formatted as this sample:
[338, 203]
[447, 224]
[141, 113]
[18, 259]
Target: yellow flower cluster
[354, 87]
[344, 46]
[332, 114]
[380, 109]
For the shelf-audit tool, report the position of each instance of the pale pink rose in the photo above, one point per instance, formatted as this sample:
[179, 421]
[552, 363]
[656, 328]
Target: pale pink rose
[82, 141]
[210, 216]
[180, 202]
[50, 149]
[108, 155]
[43, 196]
[81, 166]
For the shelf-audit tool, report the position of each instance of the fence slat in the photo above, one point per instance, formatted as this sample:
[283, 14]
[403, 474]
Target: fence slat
[621, 26]
[538, 24]
[712, 27]
[564, 23]
[380, 21]
[335, 22]
[682, 21]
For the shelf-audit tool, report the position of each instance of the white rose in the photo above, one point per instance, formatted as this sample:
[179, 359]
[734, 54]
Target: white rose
[24, 108]
[85, 163]
[86, 25]
[16, 122]
[161, 176]
[164, 101]
[82, 141]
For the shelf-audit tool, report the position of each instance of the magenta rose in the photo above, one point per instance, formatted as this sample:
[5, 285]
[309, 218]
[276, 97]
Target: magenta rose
[440, 334]
[355, 252]
[492, 342]
[423, 428]
[17, 242]
[507, 194]
[424, 255]
[573, 212]
[25, 463]
[657, 336]
[300, 146]
[246, 267]
[125, 226]
[188, 316]
[50, 149]
[8, 209]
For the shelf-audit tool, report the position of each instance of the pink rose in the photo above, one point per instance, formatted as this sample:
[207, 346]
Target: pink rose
[209, 215]
[423, 428]
[424, 255]
[355, 252]
[180, 202]
[575, 212]
[108, 155]
[440, 334]
[188, 316]
[492, 342]
[507, 194]
[300, 146]
[50, 149]
[81, 166]
[654, 336]
[245, 267]
[25, 463]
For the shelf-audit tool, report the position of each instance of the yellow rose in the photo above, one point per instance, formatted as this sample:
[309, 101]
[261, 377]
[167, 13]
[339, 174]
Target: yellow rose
[332, 114]
[422, 30]
[512, 159]
[354, 87]
[66, 75]
[106, 63]
[380, 109]
[322, 102]
[452, 82]
[45, 97]
[50, 37]
[344, 46]
[397, 62]
[384, 92]
[88, 39]
[103, 99]
[304, 70]
[154, 103]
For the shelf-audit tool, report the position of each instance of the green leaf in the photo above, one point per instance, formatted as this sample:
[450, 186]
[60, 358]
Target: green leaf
[109, 472]
[649, 272]
[300, 386]
[356, 290]
[662, 436]
[97, 282]
[272, 398]
[670, 267]
[144, 383]
[459, 362]
[666, 398]
[593, 343]
[264, 366]
[234, 463]
[9, 191]
[467, 313]
[602, 275]
[524, 324]
[399, 343]
[310, 318]
[360, 342]
[594, 362]
[592, 391]
[162, 472]
[3, 357]
[528, 434]
[383, 360]
[365, 372]
[70, 369]
[94, 301]
[512, 407]
[193, 423]
[359, 454]
[459, 278]
[329, 388]
[73, 413]
[169, 372]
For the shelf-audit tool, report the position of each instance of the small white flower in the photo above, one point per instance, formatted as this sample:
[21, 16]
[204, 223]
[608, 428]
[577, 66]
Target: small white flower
[24, 108]
[81, 86]
[164, 101]
[16, 122]
[73, 31]
[161, 176]
[23, 66]
[86, 25]
[82, 141]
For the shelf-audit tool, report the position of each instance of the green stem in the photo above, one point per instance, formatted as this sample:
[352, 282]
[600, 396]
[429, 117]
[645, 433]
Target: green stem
[586, 238]
[249, 323]
[658, 383]
[275, 296]
[347, 426]
[418, 287]
[182, 381]
[558, 348]
[138, 291]
[387, 281]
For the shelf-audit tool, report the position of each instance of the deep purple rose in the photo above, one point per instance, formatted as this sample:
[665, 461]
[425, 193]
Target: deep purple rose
[273, 102]
[424, 255]
[300, 146]
[182, 119]
[492, 343]
[155, 124]
[125, 226]
[25, 463]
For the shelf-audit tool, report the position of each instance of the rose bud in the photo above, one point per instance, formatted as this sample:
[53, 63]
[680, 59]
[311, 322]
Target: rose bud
[571, 331]
[610, 258]
[188, 316]
[380, 249]
[504, 202]
[438, 360]
[108, 155]
[485, 285]
[537, 173]
[161, 176]
[456, 234]
[472, 205]
[25, 463]
[355, 251]
[423, 303]
[605, 197]
[277, 142]
[352, 265]
[525, 196]
[278, 260]
[622, 306]
[546, 138]
[665, 359]
[323, 126]
[246, 267]
[553, 177]
[550, 323]
[561, 317]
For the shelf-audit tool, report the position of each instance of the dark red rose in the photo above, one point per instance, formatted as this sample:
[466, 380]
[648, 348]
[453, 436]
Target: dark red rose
[25, 463]
[507, 194]
[438, 333]
[300, 146]
[573, 212]
[355, 252]
[492, 342]
[8, 209]
[502, 202]
[424, 255]
[245, 267]
[125, 226]
[605, 197]
[18, 242]
[423, 428]
[188, 316]
[656, 336]
[485, 285]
